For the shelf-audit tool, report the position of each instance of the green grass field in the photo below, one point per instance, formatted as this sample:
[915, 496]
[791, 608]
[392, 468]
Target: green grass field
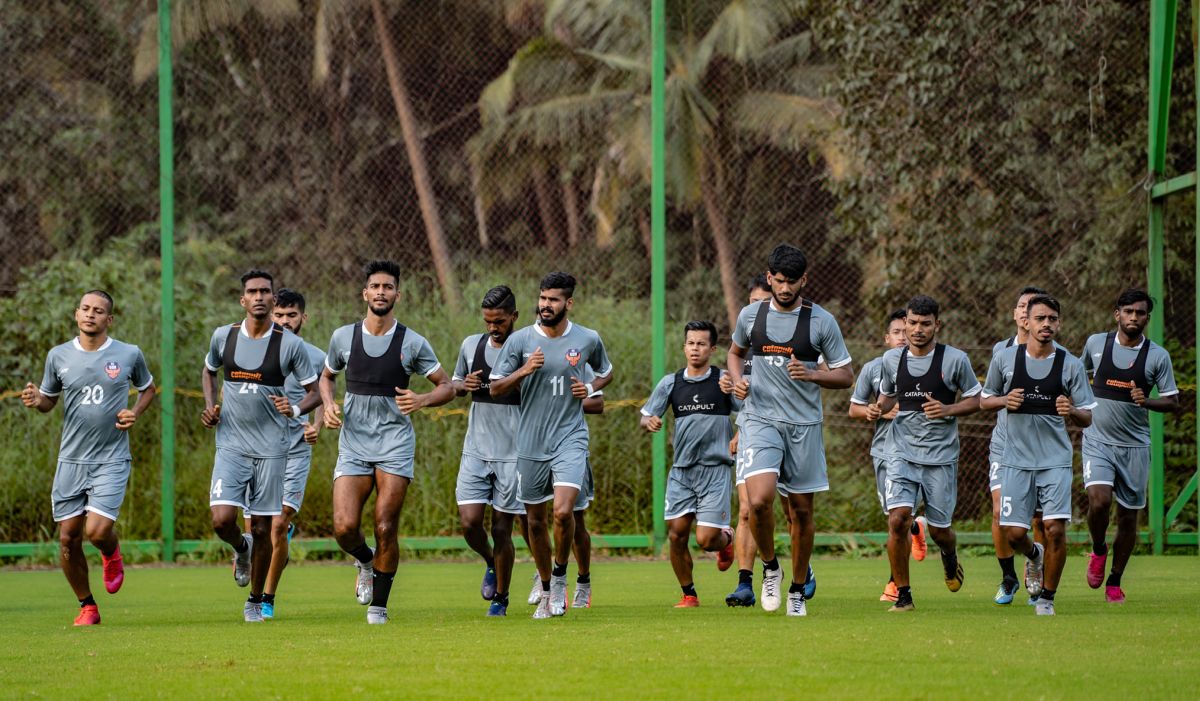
[177, 633]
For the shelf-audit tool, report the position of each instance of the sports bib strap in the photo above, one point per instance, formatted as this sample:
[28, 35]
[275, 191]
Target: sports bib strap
[1113, 383]
[269, 373]
[799, 346]
[484, 394]
[911, 390]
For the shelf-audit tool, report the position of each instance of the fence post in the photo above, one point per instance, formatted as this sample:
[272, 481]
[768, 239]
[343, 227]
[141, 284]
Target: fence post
[166, 194]
[658, 223]
[1196, 92]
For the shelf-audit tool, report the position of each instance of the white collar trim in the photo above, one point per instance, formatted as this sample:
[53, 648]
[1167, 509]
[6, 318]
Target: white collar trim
[538, 327]
[79, 346]
[389, 332]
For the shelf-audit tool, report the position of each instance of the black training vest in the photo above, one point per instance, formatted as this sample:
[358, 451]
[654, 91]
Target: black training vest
[378, 377]
[800, 346]
[703, 397]
[484, 394]
[1111, 382]
[269, 373]
[748, 363]
[1040, 395]
[912, 390]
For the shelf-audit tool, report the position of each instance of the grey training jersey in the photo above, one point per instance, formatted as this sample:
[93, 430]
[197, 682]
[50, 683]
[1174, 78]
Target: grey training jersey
[915, 437]
[250, 423]
[1124, 423]
[295, 393]
[866, 391]
[491, 428]
[551, 419]
[1034, 441]
[996, 446]
[94, 386]
[774, 395]
[700, 439]
[373, 429]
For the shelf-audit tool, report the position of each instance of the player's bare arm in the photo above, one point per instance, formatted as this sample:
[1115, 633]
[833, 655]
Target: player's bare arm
[1079, 417]
[32, 397]
[865, 412]
[332, 413]
[936, 410]
[211, 416]
[837, 378]
[651, 424]
[504, 385]
[468, 384]
[410, 402]
[126, 418]
[1164, 405]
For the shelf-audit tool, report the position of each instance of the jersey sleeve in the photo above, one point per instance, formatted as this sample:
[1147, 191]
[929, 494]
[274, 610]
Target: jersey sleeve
[299, 364]
[421, 358]
[339, 348]
[213, 360]
[510, 359]
[1163, 374]
[993, 385]
[831, 344]
[1077, 385]
[463, 365]
[140, 376]
[598, 359]
[888, 367]
[964, 376]
[51, 385]
[741, 328]
[657, 404]
[1089, 364]
[863, 390]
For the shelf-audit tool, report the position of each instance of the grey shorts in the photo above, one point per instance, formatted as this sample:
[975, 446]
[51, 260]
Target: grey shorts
[588, 492]
[536, 479]
[488, 482]
[354, 467]
[295, 479]
[1124, 468]
[703, 490]
[95, 487]
[994, 460]
[794, 453]
[907, 482]
[1024, 491]
[250, 483]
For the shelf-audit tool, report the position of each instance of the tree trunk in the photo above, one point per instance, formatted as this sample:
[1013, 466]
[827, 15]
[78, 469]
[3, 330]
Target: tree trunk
[571, 205]
[416, 159]
[541, 188]
[720, 234]
[647, 235]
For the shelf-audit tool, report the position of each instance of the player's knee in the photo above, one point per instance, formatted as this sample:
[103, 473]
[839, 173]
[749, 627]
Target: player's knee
[386, 531]
[346, 533]
[501, 532]
[1056, 532]
[69, 539]
[1015, 537]
[260, 529]
[1099, 501]
[96, 535]
[279, 529]
[222, 522]
[678, 537]
[564, 515]
[744, 512]
[470, 523]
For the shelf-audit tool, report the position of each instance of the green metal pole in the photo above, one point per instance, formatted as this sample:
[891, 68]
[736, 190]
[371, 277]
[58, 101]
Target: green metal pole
[166, 194]
[1162, 53]
[1196, 72]
[658, 247]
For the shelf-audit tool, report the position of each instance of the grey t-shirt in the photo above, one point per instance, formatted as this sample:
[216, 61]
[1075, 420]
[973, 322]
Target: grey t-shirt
[774, 395]
[295, 393]
[551, 418]
[373, 429]
[491, 428]
[996, 446]
[94, 386]
[250, 424]
[1037, 441]
[700, 439]
[866, 391]
[916, 437]
[1125, 423]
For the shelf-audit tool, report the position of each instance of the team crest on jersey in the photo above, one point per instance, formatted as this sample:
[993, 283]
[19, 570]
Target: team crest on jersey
[573, 356]
[112, 369]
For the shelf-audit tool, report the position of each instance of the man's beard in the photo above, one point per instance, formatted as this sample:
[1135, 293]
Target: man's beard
[554, 320]
[384, 312]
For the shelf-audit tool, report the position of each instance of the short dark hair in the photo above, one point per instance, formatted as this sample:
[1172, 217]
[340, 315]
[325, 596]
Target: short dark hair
[1046, 300]
[922, 305]
[102, 294]
[1031, 290]
[758, 282]
[787, 260]
[381, 266]
[559, 281]
[254, 274]
[896, 315]
[1132, 296]
[699, 325]
[289, 298]
[500, 297]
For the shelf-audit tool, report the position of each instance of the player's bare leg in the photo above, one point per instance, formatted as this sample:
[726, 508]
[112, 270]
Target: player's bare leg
[1039, 528]
[582, 548]
[1122, 549]
[1099, 508]
[679, 532]
[564, 522]
[803, 532]
[226, 524]
[260, 553]
[390, 491]
[999, 540]
[761, 489]
[899, 545]
[279, 551]
[350, 495]
[744, 550]
[71, 557]
[502, 550]
[1004, 555]
[470, 518]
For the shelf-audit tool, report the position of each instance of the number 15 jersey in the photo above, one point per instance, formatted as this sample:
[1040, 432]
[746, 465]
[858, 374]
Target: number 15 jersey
[551, 419]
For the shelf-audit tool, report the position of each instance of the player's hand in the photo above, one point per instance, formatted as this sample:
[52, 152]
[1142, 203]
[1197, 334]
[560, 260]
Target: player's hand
[30, 396]
[895, 411]
[1014, 399]
[798, 371]
[1138, 396]
[333, 416]
[1062, 404]
[310, 433]
[536, 360]
[408, 401]
[725, 383]
[742, 389]
[733, 444]
[125, 419]
[874, 411]
[652, 424]
[578, 389]
[282, 405]
[472, 381]
[934, 409]
[211, 417]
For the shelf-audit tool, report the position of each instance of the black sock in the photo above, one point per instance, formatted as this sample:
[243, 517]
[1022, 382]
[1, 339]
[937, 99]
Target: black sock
[1114, 579]
[915, 529]
[1100, 548]
[362, 553]
[490, 562]
[559, 570]
[241, 545]
[584, 579]
[1007, 569]
[950, 563]
[902, 592]
[891, 579]
[689, 589]
[382, 587]
[772, 565]
[1047, 595]
[268, 598]
[745, 576]
[89, 601]
[255, 599]
[545, 585]
[795, 588]
[501, 599]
